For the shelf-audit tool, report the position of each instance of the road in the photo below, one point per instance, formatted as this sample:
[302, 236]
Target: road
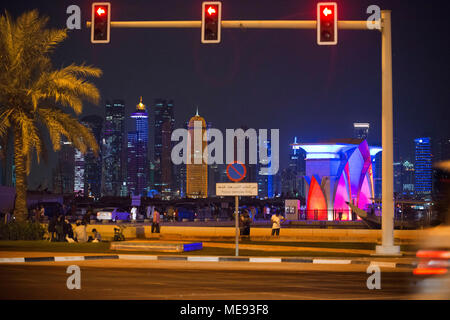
[199, 280]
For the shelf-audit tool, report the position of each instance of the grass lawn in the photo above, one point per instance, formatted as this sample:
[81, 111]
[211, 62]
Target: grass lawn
[103, 248]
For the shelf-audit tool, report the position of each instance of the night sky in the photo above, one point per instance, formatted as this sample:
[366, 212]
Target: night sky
[269, 78]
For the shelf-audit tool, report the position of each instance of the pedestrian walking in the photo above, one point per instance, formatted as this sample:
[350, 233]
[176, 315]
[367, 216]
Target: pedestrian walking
[59, 228]
[133, 214]
[245, 223]
[52, 228]
[276, 223]
[156, 220]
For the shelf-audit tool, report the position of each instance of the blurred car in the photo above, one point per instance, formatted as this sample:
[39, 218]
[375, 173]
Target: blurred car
[433, 269]
[113, 214]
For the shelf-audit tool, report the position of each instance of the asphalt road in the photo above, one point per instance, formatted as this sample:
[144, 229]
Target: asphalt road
[199, 281]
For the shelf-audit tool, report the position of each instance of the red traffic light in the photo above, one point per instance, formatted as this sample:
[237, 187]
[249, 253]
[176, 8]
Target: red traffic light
[101, 22]
[212, 10]
[101, 11]
[211, 21]
[327, 12]
[326, 23]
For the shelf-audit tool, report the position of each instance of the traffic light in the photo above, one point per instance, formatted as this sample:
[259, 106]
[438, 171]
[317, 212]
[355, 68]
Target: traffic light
[326, 23]
[211, 21]
[101, 20]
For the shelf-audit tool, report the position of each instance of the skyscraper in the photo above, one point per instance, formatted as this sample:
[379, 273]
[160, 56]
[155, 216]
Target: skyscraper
[265, 181]
[196, 168]
[423, 178]
[297, 171]
[407, 177]
[137, 147]
[164, 123]
[361, 130]
[93, 164]
[114, 163]
[79, 173]
[64, 171]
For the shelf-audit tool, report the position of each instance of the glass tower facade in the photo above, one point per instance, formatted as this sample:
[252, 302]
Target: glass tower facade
[138, 153]
[93, 164]
[114, 167]
[423, 174]
[164, 124]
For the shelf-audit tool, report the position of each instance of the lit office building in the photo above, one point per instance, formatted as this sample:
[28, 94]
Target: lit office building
[137, 162]
[163, 126]
[265, 180]
[113, 153]
[196, 169]
[407, 177]
[64, 171]
[423, 182]
[78, 187]
[293, 182]
[92, 163]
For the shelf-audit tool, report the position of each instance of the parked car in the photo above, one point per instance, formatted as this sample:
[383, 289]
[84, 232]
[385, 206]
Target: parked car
[186, 211]
[113, 214]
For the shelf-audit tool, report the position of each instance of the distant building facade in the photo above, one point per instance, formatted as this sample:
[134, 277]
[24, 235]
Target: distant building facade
[114, 156]
[423, 174]
[196, 169]
[137, 152]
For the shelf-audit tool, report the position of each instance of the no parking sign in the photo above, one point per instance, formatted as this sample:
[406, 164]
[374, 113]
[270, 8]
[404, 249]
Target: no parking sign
[236, 171]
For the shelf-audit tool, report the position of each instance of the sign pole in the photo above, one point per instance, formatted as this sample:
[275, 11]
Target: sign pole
[236, 222]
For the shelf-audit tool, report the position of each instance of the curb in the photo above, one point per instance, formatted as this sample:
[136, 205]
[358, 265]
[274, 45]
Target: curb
[213, 259]
[56, 259]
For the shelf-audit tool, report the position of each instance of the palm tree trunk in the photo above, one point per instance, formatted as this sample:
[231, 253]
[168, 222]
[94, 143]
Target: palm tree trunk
[20, 205]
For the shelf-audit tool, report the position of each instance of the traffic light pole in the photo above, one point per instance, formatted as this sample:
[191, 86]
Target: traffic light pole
[387, 221]
[387, 140]
[238, 24]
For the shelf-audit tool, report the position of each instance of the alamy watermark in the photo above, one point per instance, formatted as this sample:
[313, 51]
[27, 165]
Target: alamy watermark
[374, 280]
[206, 146]
[74, 280]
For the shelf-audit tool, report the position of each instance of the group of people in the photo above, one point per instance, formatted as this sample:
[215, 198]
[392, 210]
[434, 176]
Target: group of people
[245, 221]
[60, 230]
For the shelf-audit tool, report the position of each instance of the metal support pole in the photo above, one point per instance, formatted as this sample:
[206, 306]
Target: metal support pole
[387, 188]
[236, 223]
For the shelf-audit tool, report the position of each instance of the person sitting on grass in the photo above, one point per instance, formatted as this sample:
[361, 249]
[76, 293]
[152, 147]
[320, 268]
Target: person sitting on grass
[80, 232]
[97, 236]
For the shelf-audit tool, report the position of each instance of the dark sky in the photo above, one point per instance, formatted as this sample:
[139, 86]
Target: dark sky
[271, 78]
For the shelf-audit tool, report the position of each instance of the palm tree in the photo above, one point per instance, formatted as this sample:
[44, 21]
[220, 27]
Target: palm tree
[35, 97]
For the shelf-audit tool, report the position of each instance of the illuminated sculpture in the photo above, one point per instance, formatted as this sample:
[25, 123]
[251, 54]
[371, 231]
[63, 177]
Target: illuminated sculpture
[336, 173]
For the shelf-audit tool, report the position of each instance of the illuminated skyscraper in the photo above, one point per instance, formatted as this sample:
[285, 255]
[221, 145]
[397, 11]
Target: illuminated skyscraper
[196, 169]
[138, 152]
[114, 160]
[78, 187]
[265, 180]
[423, 174]
[293, 178]
[93, 164]
[164, 123]
[64, 172]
